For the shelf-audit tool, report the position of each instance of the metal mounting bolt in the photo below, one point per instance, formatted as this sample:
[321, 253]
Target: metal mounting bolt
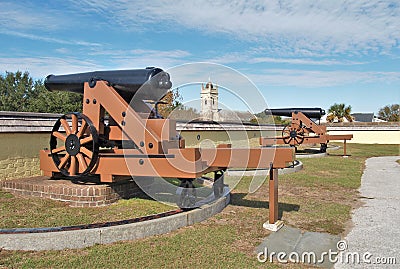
[141, 143]
[141, 162]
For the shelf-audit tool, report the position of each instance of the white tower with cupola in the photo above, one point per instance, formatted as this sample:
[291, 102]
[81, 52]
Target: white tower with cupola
[209, 102]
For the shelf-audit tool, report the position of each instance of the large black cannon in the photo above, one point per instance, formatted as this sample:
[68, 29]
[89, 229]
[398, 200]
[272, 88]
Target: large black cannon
[153, 82]
[315, 113]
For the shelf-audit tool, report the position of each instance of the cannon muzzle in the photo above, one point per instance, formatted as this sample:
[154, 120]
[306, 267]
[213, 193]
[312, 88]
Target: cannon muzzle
[315, 112]
[155, 82]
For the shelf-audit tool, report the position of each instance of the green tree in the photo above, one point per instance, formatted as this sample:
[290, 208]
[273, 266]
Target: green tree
[19, 92]
[173, 100]
[390, 112]
[263, 118]
[339, 112]
[184, 113]
[15, 91]
[54, 102]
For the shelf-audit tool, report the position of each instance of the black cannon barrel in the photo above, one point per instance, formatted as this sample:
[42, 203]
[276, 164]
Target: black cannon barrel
[126, 82]
[314, 112]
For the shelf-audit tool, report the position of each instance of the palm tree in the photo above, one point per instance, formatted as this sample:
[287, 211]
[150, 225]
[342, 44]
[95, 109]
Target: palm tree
[339, 112]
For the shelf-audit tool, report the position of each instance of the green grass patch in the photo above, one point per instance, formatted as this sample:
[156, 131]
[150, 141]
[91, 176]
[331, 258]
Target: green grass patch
[19, 212]
[319, 198]
[367, 150]
[316, 215]
[327, 172]
[192, 247]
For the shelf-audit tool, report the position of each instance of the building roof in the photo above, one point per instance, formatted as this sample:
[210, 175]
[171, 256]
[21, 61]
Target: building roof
[363, 117]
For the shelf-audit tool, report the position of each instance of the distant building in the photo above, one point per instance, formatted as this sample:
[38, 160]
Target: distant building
[357, 117]
[363, 117]
[366, 117]
[209, 102]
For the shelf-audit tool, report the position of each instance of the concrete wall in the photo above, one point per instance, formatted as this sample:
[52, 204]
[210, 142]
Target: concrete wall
[19, 154]
[371, 137]
[207, 138]
[22, 135]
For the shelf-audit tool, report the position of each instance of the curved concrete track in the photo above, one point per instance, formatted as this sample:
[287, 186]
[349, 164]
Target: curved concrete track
[316, 154]
[376, 232]
[87, 237]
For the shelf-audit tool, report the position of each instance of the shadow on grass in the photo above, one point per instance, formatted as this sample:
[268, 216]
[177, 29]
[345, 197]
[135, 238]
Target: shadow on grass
[308, 151]
[339, 154]
[238, 199]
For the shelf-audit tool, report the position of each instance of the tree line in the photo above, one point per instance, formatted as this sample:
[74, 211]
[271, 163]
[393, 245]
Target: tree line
[339, 112]
[19, 92]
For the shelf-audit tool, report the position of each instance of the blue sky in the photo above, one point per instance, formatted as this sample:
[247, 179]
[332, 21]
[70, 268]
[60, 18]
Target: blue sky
[298, 53]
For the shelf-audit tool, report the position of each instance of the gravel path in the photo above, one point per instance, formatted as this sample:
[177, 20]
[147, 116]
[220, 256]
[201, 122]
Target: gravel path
[375, 237]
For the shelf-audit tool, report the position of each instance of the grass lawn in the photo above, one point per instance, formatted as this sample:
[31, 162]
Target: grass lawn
[318, 198]
[19, 211]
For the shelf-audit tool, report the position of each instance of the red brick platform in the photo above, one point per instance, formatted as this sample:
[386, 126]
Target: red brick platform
[82, 194]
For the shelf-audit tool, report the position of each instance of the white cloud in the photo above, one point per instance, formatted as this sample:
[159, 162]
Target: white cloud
[253, 57]
[40, 67]
[140, 58]
[302, 61]
[315, 79]
[18, 16]
[48, 39]
[35, 21]
[141, 52]
[295, 26]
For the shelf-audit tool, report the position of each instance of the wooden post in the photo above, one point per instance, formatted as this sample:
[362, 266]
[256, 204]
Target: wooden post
[344, 148]
[273, 195]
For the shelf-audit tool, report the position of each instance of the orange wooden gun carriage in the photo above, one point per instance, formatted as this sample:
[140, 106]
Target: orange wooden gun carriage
[135, 141]
[302, 130]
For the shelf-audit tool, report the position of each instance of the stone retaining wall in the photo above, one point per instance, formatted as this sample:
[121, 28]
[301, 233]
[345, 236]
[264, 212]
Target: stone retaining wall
[18, 167]
[76, 195]
[19, 154]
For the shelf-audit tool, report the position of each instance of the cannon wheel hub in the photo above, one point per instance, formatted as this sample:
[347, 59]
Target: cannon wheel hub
[72, 145]
[293, 134]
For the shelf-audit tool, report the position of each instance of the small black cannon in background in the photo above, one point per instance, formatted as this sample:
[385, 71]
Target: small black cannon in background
[302, 130]
[315, 113]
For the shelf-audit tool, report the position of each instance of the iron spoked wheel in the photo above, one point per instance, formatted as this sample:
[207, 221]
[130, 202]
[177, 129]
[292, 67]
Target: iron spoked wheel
[188, 196]
[293, 134]
[78, 150]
